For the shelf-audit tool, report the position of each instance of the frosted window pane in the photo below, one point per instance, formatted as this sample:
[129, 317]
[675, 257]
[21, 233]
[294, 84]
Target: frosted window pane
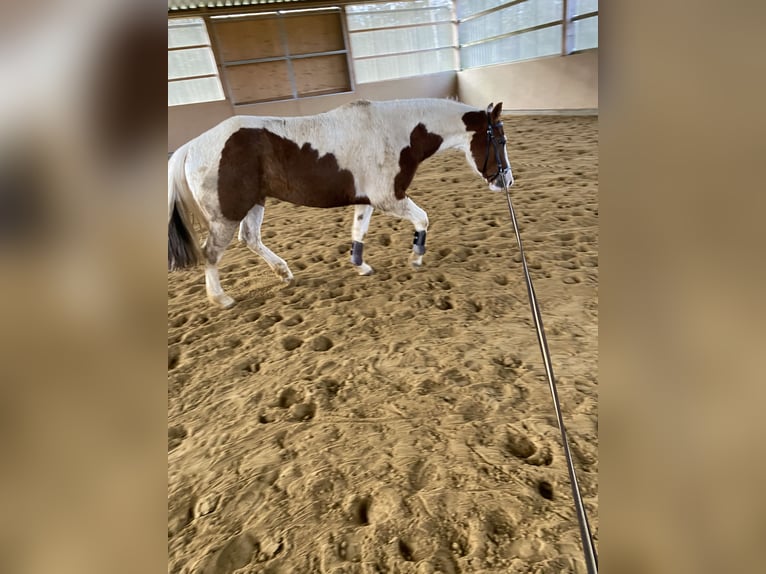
[584, 6]
[535, 44]
[518, 17]
[402, 66]
[402, 40]
[389, 19]
[192, 62]
[194, 91]
[394, 6]
[180, 36]
[383, 51]
[585, 33]
[469, 7]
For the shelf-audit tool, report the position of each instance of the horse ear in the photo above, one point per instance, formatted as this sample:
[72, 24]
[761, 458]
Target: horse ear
[489, 108]
[497, 111]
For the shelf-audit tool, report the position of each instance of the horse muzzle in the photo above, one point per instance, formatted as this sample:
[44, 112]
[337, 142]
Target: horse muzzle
[503, 179]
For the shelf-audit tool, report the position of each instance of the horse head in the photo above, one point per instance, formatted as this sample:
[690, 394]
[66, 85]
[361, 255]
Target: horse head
[487, 153]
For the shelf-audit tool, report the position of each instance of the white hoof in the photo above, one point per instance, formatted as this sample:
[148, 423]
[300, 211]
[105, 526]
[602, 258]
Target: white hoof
[284, 273]
[364, 269]
[223, 301]
[416, 260]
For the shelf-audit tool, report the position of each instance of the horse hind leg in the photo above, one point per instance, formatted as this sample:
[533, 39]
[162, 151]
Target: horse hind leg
[250, 233]
[362, 215]
[218, 239]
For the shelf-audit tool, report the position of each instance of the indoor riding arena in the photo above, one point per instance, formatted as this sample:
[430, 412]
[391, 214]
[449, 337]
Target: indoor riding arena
[402, 421]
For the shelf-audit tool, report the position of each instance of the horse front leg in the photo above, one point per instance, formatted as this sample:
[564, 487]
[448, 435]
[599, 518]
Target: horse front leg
[362, 215]
[408, 209]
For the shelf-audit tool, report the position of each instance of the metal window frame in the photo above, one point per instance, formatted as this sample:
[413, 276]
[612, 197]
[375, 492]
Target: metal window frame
[407, 53]
[401, 27]
[171, 80]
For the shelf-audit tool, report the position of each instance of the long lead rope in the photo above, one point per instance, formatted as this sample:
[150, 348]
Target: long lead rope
[591, 560]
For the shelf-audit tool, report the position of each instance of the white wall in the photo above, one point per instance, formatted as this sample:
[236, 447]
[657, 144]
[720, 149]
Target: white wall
[553, 83]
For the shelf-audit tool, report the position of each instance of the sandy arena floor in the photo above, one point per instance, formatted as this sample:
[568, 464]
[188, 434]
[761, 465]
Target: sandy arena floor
[400, 422]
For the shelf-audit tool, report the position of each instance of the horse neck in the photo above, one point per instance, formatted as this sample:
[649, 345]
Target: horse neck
[442, 117]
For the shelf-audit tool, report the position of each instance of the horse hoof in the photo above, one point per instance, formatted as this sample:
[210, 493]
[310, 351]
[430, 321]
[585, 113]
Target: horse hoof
[365, 269]
[416, 261]
[285, 275]
[223, 301]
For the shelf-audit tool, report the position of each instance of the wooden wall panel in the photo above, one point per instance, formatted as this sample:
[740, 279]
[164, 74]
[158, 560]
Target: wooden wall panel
[249, 39]
[314, 33]
[259, 82]
[321, 75]
[263, 38]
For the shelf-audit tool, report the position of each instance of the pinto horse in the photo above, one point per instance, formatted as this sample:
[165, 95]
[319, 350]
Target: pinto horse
[363, 154]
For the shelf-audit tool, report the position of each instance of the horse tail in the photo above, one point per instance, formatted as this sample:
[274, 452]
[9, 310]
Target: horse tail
[183, 244]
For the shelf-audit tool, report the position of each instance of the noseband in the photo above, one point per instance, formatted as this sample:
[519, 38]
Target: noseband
[498, 143]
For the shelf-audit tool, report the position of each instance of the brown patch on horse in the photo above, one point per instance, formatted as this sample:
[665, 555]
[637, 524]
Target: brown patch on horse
[256, 164]
[477, 122]
[423, 144]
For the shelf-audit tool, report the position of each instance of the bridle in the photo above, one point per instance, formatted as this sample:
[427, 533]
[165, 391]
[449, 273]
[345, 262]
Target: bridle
[498, 143]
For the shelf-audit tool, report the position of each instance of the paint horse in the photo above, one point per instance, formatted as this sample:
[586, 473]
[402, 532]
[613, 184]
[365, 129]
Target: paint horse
[363, 154]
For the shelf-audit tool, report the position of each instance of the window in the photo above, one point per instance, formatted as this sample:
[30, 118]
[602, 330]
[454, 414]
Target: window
[582, 33]
[499, 31]
[192, 71]
[399, 39]
[580, 7]
[282, 55]
[492, 32]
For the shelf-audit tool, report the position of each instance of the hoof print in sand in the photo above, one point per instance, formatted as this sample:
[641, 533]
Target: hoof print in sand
[359, 509]
[176, 435]
[287, 398]
[545, 489]
[405, 551]
[520, 446]
[303, 411]
[290, 343]
[174, 357]
[237, 553]
[180, 510]
[444, 304]
[321, 343]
